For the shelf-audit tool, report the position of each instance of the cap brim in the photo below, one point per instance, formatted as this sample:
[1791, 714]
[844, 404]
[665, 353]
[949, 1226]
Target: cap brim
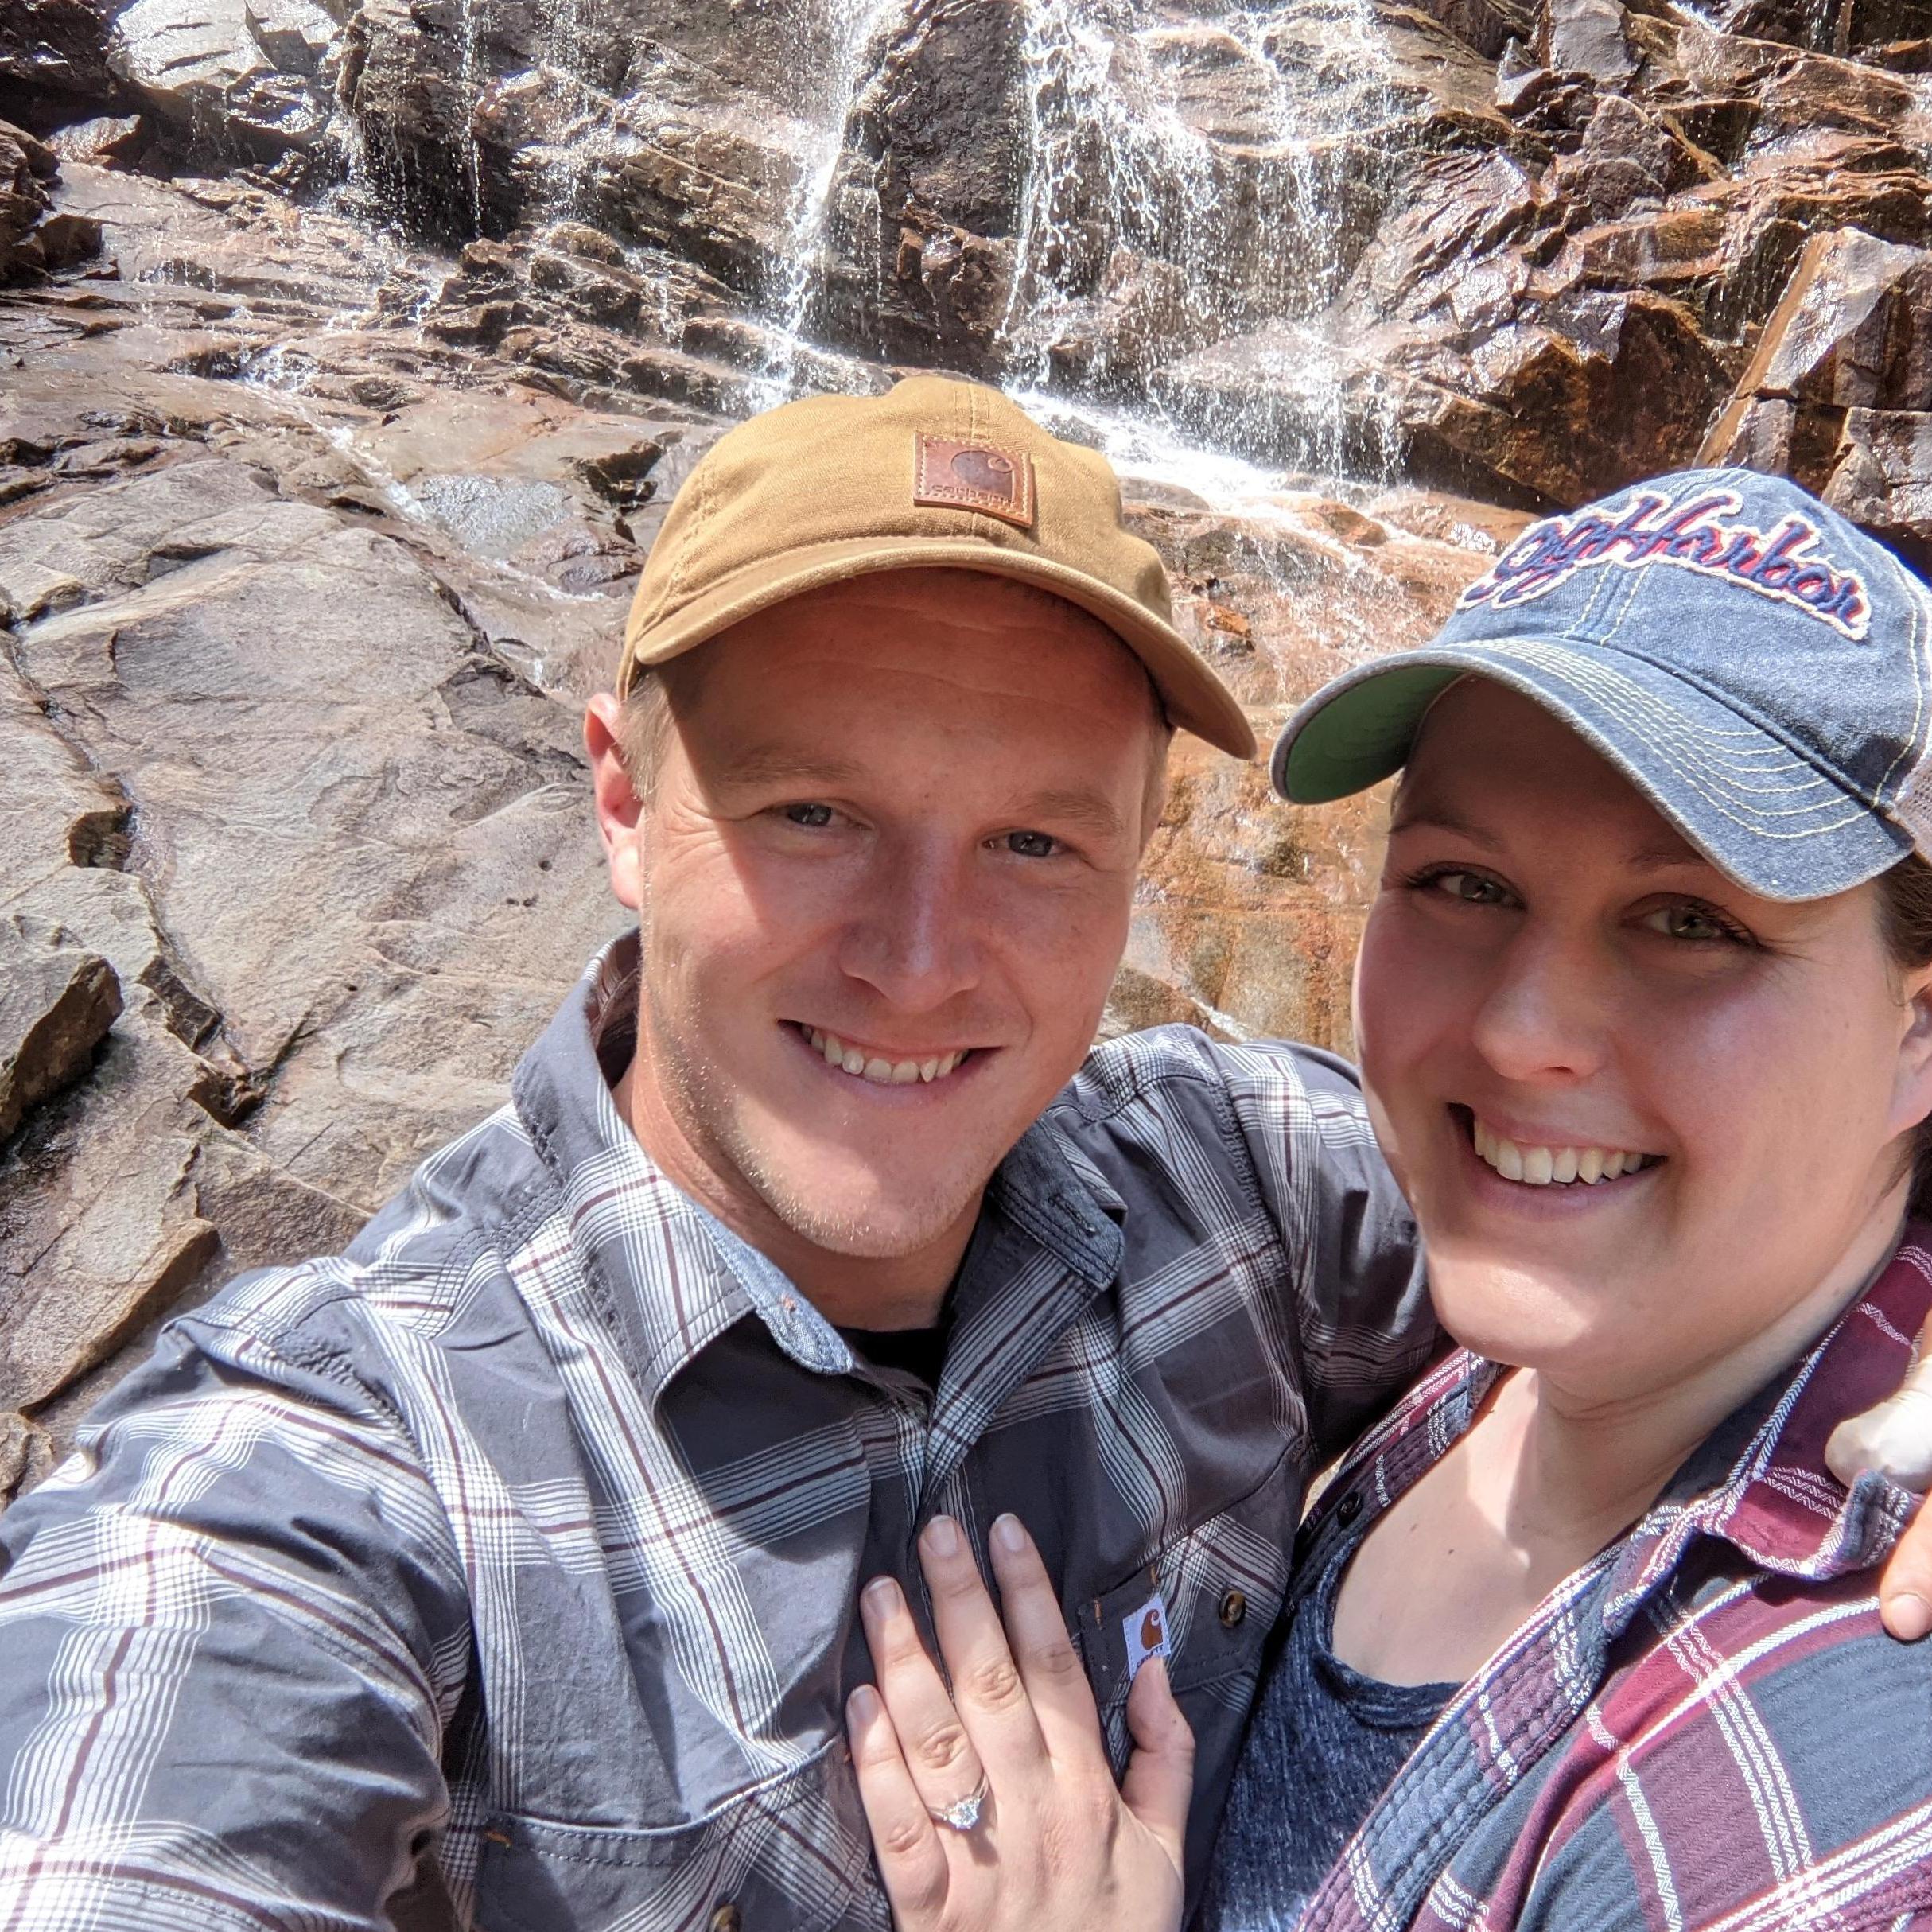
[1763, 815]
[1195, 700]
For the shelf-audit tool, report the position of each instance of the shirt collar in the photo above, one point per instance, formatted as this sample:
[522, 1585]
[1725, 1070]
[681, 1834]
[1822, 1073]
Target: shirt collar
[1772, 1497]
[668, 1274]
[1759, 1481]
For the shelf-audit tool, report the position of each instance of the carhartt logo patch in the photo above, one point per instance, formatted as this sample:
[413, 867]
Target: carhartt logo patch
[1145, 1631]
[1787, 563]
[956, 475]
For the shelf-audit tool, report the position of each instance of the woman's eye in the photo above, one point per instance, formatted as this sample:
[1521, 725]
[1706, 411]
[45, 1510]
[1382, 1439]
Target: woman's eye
[1471, 888]
[1696, 924]
[1031, 845]
[813, 816]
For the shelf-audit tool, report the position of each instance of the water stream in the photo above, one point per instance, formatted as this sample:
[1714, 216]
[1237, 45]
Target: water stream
[1184, 180]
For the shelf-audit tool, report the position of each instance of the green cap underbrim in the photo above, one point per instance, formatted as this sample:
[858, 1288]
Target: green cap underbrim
[1360, 735]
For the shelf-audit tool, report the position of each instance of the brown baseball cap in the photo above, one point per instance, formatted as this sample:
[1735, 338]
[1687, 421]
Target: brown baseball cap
[937, 473]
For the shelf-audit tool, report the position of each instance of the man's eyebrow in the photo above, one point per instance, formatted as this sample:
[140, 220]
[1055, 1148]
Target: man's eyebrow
[777, 764]
[1073, 805]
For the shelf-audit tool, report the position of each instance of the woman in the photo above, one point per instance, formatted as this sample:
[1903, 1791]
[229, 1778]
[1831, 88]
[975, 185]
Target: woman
[1585, 1633]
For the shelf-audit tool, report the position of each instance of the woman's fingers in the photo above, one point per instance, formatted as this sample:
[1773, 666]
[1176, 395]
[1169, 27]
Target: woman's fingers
[1050, 1666]
[987, 1687]
[938, 1753]
[911, 1859]
[1158, 1786]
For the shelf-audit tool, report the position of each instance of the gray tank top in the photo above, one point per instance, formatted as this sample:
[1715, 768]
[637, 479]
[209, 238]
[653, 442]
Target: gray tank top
[1321, 1746]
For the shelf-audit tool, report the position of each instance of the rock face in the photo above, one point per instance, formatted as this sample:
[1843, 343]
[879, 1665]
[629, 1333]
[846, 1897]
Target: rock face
[56, 1004]
[1526, 254]
[33, 240]
[351, 351]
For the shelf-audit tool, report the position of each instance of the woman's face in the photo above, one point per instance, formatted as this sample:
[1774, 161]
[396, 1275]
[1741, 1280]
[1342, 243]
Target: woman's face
[1642, 1113]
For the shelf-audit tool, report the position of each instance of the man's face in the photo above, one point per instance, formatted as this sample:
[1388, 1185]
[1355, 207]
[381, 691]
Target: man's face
[883, 878]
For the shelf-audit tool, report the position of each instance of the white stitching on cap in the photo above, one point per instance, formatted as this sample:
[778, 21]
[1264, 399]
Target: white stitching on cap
[1600, 681]
[1912, 807]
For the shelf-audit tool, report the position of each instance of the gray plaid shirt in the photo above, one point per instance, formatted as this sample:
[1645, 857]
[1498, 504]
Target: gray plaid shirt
[501, 1572]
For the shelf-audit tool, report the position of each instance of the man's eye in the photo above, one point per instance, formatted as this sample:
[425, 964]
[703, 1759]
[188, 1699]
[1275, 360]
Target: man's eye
[1031, 845]
[813, 816]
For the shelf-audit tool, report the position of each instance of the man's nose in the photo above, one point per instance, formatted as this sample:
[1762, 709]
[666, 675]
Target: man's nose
[1546, 1014]
[913, 936]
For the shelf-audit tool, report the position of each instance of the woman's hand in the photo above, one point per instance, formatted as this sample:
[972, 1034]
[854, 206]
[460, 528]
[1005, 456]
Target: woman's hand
[1056, 1844]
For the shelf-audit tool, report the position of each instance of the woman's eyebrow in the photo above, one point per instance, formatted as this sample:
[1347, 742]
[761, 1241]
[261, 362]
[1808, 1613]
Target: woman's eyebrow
[1439, 819]
[1656, 858]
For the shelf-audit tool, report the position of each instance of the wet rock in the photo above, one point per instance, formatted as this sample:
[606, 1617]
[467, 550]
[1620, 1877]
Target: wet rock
[1834, 394]
[34, 241]
[1586, 37]
[201, 65]
[1846, 334]
[53, 53]
[56, 1004]
[926, 204]
[106, 141]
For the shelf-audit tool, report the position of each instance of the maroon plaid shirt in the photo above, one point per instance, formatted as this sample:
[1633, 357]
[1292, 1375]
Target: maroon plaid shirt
[1707, 1725]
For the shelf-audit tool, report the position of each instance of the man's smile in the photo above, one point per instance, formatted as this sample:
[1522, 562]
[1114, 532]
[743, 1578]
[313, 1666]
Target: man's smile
[882, 1067]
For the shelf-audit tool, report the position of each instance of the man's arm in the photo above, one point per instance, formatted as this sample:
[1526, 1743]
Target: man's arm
[1360, 1305]
[232, 1627]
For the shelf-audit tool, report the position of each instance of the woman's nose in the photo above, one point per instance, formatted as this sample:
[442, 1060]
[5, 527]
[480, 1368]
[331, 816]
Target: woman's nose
[1545, 1012]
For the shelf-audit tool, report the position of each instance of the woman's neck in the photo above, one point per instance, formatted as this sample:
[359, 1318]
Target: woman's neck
[1551, 1471]
[1588, 1463]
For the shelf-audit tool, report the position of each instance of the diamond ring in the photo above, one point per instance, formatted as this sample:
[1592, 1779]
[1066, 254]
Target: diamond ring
[962, 1815]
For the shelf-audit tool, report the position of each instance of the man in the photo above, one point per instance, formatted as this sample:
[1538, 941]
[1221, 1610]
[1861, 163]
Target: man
[503, 1570]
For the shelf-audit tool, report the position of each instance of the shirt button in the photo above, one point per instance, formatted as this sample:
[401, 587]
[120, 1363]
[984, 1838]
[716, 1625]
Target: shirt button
[1349, 1508]
[1234, 1607]
[727, 1918]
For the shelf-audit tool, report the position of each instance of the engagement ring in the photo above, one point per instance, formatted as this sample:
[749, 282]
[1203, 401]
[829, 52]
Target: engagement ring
[963, 1815]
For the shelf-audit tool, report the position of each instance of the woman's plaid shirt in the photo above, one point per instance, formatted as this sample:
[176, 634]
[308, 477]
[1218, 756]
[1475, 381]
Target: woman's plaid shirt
[501, 1571]
[1707, 1726]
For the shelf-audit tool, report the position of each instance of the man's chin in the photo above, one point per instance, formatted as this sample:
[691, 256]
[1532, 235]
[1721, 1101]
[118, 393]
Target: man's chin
[868, 1222]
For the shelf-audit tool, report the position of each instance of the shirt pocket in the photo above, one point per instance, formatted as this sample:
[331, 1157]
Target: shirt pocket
[790, 1852]
[1206, 1602]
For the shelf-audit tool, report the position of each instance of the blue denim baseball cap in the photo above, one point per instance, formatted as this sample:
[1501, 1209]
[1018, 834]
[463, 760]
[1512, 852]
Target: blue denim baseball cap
[1760, 669]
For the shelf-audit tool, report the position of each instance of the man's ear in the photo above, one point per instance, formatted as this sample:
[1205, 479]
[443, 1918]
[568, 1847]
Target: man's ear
[618, 806]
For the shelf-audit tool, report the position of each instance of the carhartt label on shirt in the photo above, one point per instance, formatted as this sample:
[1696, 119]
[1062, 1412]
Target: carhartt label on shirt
[1145, 1630]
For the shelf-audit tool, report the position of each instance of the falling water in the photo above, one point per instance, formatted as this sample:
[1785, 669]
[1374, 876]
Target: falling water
[1213, 234]
[1192, 185]
[854, 27]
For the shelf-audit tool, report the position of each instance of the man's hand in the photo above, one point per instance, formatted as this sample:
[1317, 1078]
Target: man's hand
[1895, 1439]
[1048, 1839]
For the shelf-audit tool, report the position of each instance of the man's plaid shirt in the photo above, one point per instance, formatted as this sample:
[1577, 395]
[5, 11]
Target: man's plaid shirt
[1707, 1726]
[501, 1571]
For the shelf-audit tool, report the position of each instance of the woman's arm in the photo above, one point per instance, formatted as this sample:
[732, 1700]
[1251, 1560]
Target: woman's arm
[1055, 1843]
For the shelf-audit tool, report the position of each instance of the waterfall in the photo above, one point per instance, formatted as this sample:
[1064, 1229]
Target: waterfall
[1228, 230]
[1172, 181]
[853, 27]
